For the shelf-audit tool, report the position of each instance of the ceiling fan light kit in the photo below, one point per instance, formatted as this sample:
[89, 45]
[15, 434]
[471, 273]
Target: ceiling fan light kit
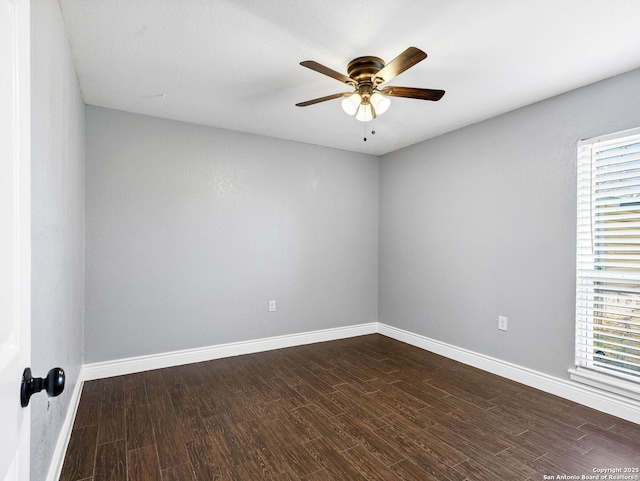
[365, 113]
[351, 104]
[380, 103]
[365, 75]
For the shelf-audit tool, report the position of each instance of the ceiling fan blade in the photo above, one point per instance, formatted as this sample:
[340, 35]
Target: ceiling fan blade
[402, 62]
[412, 93]
[323, 99]
[327, 71]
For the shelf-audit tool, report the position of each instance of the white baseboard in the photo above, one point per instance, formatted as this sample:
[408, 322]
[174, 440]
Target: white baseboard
[619, 406]
[597, 399]
[594, 398]
[131, 365]
[55, 468]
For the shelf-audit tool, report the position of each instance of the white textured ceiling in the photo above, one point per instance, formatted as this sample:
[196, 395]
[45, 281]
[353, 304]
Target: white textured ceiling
[234, 64]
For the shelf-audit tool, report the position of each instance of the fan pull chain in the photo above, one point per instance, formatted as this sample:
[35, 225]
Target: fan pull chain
[373, 132]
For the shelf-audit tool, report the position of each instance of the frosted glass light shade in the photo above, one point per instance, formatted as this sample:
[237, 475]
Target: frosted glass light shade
[365, 113]
[351, 103]
[380, 103]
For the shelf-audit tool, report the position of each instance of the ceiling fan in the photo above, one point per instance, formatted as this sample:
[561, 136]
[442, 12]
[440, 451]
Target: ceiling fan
[366, 75]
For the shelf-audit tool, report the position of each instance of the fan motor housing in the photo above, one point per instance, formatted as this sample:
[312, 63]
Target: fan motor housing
[364, 68]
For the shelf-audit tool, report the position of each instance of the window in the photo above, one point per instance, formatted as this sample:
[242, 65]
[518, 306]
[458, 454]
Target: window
[608, 264]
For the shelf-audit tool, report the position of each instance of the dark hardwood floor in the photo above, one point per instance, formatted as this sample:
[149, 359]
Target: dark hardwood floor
[366, 408]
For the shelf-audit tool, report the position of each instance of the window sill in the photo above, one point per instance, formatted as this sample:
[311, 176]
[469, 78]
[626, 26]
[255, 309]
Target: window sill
[606, 383]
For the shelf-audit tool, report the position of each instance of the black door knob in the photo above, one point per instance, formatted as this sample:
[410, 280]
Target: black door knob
[53, 384]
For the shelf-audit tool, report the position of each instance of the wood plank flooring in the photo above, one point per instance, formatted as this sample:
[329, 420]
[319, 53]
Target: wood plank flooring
[365, 408]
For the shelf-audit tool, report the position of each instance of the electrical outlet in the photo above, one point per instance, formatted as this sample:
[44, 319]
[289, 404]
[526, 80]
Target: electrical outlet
[502, 323]
[272, 306]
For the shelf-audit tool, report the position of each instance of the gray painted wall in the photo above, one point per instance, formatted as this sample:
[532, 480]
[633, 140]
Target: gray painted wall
[191, 230]
[481, 222]
[57, 224]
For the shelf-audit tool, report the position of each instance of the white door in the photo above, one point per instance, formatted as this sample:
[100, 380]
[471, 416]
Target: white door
[15, 236]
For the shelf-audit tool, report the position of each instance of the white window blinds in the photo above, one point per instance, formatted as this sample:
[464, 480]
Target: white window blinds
[608, 256]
